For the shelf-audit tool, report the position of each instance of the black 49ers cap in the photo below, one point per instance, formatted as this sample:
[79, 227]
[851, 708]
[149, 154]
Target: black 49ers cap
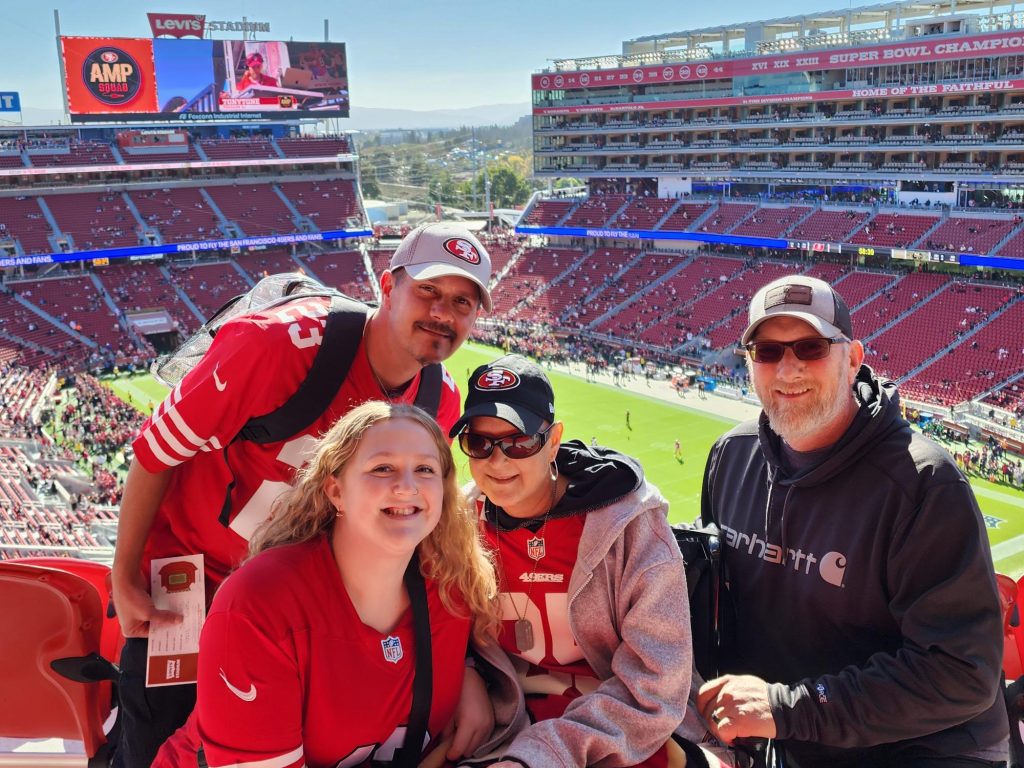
[511, 388]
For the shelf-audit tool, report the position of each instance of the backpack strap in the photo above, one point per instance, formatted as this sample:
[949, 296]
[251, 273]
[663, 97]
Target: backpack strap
[343, 330]
[423, 676]
[342, 333]
[428, 396]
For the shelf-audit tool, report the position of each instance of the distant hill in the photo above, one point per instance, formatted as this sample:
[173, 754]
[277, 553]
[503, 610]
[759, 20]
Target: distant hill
[376, 118]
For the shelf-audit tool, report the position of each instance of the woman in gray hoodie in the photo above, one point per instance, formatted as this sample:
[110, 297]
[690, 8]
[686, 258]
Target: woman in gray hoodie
[595, 617]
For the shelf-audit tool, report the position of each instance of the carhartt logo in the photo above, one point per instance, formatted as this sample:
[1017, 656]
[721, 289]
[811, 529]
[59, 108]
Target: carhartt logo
[831, 566]
[221, 385]
[249, 695]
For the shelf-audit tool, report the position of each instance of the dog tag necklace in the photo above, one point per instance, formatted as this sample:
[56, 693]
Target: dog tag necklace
[523, 627]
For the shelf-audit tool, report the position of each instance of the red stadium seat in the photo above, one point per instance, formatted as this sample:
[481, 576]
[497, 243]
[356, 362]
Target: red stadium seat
[55, 615]
[97, 574]
[1013, 666]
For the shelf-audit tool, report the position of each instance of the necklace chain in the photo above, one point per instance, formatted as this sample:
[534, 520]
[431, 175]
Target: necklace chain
[524, 635]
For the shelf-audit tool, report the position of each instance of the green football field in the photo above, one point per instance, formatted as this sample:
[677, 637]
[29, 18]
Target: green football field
[598, 410]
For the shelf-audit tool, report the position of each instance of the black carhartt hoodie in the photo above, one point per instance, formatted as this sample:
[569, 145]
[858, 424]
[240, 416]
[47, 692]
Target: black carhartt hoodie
[863, 590]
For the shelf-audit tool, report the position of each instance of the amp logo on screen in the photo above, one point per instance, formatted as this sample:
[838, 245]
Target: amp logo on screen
[111, 75]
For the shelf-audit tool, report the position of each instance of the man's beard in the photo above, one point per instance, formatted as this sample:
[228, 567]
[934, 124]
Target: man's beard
[796, 421]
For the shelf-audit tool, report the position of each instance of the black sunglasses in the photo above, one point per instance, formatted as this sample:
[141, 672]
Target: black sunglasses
[515, 446]
[804, 349]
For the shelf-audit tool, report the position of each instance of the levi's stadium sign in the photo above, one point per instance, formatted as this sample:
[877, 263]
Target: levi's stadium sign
[177, 24]
[196, 25]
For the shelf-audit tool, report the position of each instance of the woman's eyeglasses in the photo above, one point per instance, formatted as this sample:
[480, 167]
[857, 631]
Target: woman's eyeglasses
[515, 446]
[804, 349]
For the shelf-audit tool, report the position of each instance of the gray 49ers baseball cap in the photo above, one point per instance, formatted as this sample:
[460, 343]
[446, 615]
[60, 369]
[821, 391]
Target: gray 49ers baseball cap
[511, 388]
[441, 248]
[805, 298]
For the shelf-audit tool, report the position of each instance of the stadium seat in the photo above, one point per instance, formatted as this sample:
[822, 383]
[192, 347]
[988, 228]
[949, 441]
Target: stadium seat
[97, 574]
[1008, 592]
[57, 615]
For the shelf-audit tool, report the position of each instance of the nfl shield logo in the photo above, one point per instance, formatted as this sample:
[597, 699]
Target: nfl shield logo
[392, 647]
[535, 548]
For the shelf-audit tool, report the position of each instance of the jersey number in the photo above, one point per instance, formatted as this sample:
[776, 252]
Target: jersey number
[379, 753]
[556, 604]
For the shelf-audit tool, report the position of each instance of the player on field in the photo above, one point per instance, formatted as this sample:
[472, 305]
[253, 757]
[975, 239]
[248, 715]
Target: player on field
[193, 489]
[308, 654]
[592, 585]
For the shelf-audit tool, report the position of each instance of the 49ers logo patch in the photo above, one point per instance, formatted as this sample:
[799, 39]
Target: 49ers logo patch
[462, 249]
[111, 75]
[497, 378]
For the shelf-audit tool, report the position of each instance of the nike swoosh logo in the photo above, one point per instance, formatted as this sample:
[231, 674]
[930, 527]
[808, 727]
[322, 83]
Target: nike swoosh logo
[221, 385]
[249, 695]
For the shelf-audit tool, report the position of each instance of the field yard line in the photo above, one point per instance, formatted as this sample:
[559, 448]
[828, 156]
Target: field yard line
[1006, 498]
[1008, 548]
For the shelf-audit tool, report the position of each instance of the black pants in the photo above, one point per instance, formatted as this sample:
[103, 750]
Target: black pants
[148, 715]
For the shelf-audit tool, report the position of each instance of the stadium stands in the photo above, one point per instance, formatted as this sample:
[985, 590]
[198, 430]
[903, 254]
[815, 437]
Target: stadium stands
[180, 215]
[969, 234]
[344, 271]
[685, 216]
[770, 221]
[829, 225]
[95, 221]
[935, 326]
[548, 212]
[975, 364]
[726, 216]
[328, 204]
[209, 286]
[595, 211]
[535, 269]
[75, 303]
[314, 146]
[894, 230]
[256, 208]
[893, 302]
[22, 220]
[75, 153]
[238, 149]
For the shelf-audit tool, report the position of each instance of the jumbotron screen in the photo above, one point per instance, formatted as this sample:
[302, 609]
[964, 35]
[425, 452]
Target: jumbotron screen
[117, 79]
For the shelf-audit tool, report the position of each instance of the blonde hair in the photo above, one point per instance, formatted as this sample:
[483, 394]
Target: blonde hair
[451, 554]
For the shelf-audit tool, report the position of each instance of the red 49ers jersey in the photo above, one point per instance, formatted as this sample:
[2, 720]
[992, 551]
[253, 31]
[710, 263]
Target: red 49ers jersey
[289, 675]
[554, 671]
[534, 584]
[254, 366]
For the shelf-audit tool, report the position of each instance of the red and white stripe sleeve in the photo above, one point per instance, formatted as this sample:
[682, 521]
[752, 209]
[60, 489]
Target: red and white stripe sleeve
[247, 372]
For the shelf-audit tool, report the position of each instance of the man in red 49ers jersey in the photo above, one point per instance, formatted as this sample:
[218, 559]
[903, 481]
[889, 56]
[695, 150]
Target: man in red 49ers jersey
[186, 458]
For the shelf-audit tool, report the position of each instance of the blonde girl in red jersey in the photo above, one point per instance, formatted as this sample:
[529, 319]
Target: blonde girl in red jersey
[307, 656]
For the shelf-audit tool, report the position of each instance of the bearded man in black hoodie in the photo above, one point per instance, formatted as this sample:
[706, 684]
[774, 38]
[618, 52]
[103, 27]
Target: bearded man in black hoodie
[867, 628]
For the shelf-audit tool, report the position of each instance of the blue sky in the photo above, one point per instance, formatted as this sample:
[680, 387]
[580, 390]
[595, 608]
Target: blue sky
[407, 54]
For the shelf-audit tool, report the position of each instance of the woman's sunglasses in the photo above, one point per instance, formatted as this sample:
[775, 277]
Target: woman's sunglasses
[515, 446]
[804, 349]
